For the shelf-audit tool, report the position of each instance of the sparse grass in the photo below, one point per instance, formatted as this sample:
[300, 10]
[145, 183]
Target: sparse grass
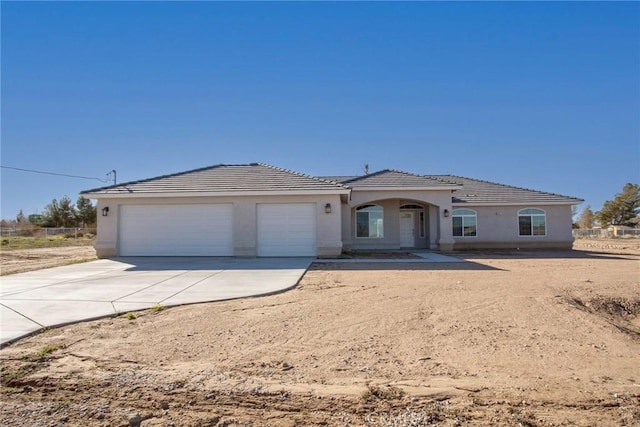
[45, 351]
[157, 308]
[13, 376]
[131, 316]
[16, 243]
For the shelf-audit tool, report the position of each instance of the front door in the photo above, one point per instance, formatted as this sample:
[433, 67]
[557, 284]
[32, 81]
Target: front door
[407, 231]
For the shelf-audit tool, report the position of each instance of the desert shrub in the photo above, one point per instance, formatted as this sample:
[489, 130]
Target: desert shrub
[157, 308]
[382, 392]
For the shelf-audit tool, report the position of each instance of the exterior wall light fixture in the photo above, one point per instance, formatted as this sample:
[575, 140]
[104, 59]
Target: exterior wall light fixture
[446, 213]
[105, 211]
[327, 208]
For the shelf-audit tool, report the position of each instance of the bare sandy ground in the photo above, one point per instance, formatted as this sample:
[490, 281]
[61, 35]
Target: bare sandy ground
[20, 261]
[509, 338]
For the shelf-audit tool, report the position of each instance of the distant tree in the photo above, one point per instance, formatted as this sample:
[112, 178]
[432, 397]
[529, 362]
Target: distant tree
[68, 214]
[23, 225]
[51, 214]
[624, 209]
[20, 218]
[60, 213]
[586, 218]
[86, 212]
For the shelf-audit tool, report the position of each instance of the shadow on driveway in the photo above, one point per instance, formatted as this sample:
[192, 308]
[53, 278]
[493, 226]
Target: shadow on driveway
[212, 263]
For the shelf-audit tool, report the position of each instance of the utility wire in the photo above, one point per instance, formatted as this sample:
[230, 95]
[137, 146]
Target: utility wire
[53, 173]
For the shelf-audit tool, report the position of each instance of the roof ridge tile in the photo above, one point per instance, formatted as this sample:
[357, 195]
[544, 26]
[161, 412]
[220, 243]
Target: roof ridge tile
[430, 177]
[368, 175]
[304, 175]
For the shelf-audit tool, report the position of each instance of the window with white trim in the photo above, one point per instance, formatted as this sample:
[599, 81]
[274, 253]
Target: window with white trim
[532, 222]
[369, 222]
[465, 223]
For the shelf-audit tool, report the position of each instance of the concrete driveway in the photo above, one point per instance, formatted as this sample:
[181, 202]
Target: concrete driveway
[60, 295]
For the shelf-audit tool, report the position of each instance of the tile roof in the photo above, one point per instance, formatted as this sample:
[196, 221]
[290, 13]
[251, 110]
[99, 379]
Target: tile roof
[261, 177]
[475, 191]
[339, 178]
[224, 178]
[396, 179]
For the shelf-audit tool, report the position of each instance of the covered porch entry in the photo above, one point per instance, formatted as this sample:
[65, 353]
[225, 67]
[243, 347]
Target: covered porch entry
[396, 223]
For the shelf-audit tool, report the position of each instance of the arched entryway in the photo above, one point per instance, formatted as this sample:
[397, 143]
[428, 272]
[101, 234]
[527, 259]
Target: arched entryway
[410, 222]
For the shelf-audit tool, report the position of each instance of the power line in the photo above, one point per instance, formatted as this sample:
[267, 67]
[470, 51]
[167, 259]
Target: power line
[53, 173]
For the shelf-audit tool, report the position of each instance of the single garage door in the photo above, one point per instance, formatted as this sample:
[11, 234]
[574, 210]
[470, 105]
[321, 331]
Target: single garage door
[287, 229]
[176, 230]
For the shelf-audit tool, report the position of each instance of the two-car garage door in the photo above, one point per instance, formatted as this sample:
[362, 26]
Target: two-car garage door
[207, 230]
[176, 230]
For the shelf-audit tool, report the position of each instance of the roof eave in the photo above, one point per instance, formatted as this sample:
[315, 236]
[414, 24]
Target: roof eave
[518, 203]
[372, 188]
[181, 194]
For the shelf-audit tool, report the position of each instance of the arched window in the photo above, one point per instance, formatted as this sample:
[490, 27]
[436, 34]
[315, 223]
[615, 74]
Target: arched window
[532, 222]
[369, 222]
[465, 223]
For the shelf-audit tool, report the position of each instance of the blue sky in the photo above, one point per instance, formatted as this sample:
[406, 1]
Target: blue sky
[542, 95]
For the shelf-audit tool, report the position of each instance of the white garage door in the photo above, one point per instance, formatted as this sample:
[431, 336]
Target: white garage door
[176, 230]
[287, 229]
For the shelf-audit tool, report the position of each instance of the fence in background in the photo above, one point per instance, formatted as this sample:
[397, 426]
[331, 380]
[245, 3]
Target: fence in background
[46, 232]
[597, 233]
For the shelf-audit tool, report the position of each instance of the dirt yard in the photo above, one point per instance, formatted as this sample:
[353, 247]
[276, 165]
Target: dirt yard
[509, 338]
[22, 260]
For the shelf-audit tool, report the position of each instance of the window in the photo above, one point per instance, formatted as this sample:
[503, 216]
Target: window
[465, 223]
[369, 222]
[421, 223]
[532, 222]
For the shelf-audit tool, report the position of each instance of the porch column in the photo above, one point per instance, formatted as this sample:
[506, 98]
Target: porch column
[445, 241]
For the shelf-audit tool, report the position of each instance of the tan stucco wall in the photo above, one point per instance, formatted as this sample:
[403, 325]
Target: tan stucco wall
[498, 228]
[328, 226]
[497, 225]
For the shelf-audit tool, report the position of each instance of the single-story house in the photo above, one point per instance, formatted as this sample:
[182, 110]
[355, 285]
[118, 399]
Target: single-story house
[261, 210]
